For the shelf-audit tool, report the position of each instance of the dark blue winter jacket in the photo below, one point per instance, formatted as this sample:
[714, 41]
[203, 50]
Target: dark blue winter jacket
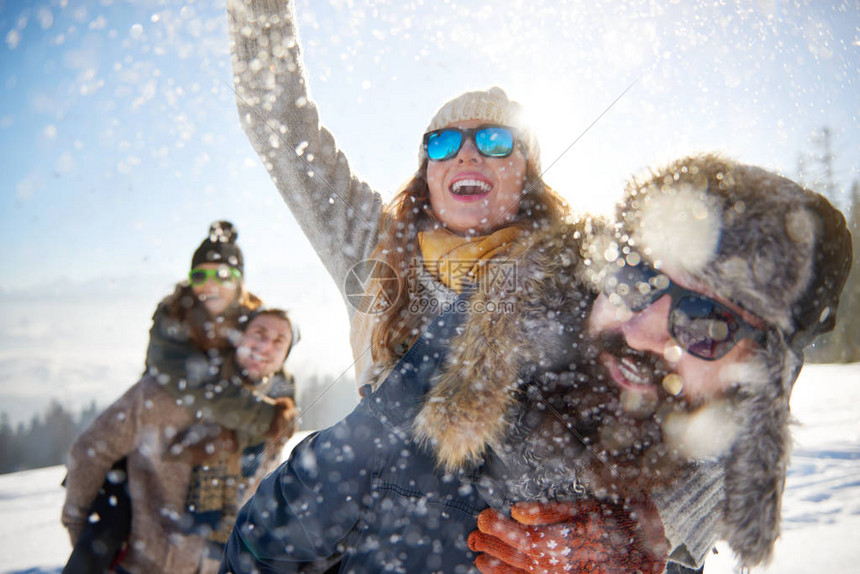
[364, 490]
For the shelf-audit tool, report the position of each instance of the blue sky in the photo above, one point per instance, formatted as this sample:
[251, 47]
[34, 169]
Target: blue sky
[121, 141]
[120, 136]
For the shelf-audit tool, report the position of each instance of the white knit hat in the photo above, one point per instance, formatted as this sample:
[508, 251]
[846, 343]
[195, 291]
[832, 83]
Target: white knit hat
[491, 106]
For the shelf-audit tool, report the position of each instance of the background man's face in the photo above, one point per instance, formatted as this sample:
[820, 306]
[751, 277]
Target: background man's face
[264, 346]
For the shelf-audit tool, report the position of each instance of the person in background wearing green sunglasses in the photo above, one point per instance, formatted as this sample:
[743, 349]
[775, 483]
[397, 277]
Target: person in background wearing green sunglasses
[193, 330]
[186, 477]
[204, 312]
[201, 321]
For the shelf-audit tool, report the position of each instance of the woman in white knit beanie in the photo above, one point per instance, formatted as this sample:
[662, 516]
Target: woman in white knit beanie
[474, 195]
[364, 492]
[464, 208]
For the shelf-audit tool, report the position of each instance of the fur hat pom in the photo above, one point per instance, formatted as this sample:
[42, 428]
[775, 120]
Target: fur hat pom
[223, 232]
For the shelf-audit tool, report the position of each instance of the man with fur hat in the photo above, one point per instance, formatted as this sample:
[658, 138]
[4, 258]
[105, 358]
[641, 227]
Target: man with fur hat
[718, 275]
[186, 480]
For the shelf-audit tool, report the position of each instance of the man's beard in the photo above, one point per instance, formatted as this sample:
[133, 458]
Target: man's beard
[577, 432]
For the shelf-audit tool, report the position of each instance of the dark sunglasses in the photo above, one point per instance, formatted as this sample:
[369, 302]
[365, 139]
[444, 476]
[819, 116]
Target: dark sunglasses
[491, 141]
[221, 275]
[703, 327]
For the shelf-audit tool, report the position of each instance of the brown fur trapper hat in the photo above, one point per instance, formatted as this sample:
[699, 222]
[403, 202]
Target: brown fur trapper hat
[779, 251]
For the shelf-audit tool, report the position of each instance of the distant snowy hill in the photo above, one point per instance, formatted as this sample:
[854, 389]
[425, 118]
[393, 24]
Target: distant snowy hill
[821, 513]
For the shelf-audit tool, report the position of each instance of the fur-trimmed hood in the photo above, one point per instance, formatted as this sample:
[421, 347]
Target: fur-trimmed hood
[530, 321]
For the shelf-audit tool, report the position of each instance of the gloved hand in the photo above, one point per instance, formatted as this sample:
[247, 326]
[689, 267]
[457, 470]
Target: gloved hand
[283, 424]
[208, 449]
[74, 519]
[582, 536]
[201, 443]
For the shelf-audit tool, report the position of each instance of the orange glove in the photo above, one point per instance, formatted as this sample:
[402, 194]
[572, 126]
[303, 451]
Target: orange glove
[283, 423]
[582, 536]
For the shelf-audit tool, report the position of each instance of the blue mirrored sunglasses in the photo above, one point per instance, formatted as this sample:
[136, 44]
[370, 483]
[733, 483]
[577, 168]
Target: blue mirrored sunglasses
[491, 141]
[703, 327]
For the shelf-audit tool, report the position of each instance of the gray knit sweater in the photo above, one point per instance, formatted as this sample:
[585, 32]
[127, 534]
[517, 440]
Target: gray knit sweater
[340, 214]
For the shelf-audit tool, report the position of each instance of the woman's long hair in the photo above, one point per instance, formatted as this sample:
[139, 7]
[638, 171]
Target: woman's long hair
[209, 333]
[408, 213]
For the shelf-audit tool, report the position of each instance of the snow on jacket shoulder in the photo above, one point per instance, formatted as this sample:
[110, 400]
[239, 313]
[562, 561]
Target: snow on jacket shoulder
[364, 491]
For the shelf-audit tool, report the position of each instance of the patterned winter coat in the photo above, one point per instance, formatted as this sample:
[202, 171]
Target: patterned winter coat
[142, 425]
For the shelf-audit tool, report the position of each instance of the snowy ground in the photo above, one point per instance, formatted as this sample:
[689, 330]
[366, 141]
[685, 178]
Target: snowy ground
[821, 513]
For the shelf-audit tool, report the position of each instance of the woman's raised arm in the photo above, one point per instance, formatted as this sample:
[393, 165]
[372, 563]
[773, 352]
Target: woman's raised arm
[338, 213]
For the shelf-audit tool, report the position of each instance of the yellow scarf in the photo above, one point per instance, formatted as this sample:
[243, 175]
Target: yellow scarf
[457, 261]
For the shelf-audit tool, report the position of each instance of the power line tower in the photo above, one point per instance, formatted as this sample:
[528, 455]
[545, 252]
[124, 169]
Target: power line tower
[815, 168]
[816, 171]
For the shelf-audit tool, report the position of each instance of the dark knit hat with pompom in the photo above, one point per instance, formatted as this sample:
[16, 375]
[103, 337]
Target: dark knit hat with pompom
[220, 247]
